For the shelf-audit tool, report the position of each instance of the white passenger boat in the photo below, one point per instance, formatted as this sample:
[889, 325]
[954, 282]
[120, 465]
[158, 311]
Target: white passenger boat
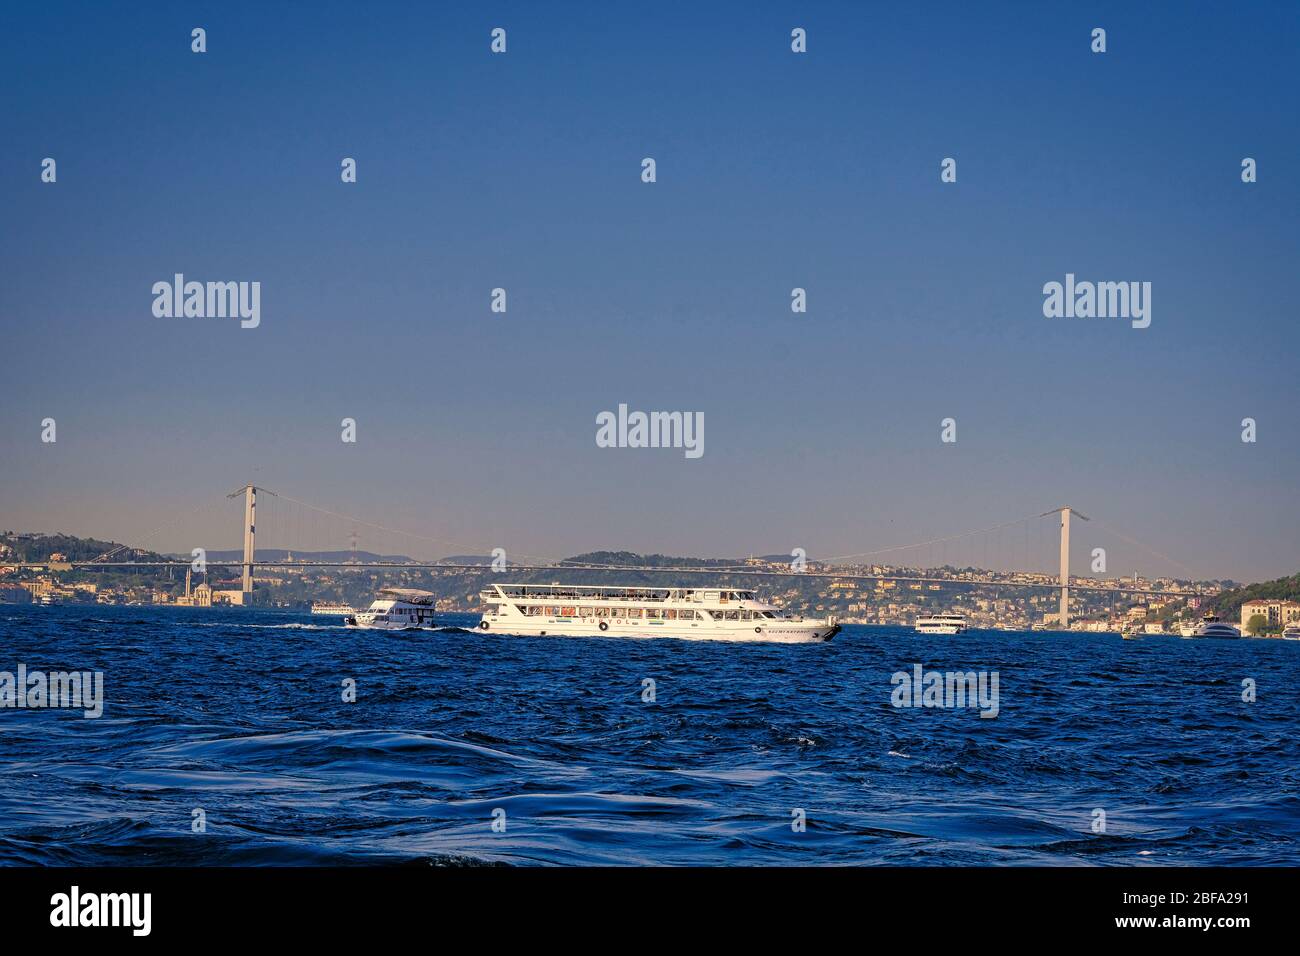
[333, 608]
[716, 614]
[1291, 632]
[941, 624]
[1211, 626]
[396, 609]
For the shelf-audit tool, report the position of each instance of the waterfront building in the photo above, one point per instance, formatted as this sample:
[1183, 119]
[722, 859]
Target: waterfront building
[1276, 612]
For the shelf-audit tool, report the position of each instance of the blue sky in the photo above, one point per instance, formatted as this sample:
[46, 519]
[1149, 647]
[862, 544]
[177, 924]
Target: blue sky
[775, 170]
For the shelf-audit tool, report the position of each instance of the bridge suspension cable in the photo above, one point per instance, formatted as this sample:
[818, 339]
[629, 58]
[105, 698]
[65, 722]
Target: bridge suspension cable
[931, 542]
[442, 542]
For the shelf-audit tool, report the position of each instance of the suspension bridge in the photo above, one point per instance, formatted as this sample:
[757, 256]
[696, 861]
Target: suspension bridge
[328, 538]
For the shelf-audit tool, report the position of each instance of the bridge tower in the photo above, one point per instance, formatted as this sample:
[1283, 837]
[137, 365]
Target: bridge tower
[250, 524]
[1065, 513]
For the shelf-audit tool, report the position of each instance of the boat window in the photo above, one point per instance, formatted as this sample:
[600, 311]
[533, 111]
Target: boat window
[686, 614]
[733, 615]
[634, 612]
[746, 615]
[670, 614]
[654, 614]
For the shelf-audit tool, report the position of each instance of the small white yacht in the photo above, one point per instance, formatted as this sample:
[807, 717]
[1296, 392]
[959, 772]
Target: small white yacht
[941, 624]
[1211, 626]
[1187, 629]
[717, 614]
[1291, 632]
[396, 609]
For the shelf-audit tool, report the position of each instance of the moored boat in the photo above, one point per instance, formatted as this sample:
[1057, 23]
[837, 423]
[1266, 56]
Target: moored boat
[1211, 626]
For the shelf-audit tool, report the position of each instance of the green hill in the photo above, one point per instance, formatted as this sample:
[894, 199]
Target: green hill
[39, 548]
[1228, 604]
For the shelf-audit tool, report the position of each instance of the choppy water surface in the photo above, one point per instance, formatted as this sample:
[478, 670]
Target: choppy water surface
[240, 713]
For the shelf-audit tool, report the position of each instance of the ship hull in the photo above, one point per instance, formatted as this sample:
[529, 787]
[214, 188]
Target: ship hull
[362, 626]
[791, 632]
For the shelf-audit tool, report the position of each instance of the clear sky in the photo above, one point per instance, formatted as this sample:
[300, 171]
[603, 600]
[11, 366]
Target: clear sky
[775, 170]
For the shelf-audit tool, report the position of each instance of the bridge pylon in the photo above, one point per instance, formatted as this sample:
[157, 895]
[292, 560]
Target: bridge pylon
[249, 491]
[1065, 513]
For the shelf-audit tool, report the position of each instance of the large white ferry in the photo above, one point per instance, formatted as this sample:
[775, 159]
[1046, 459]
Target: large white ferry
[331, 607]
[716, 614]
[941, 624]
[396, 609]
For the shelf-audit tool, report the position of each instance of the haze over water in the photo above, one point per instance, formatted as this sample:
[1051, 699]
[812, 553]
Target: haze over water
[239, 712]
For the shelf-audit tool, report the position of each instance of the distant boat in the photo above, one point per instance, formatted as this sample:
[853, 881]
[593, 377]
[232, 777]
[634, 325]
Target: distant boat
[1211, 626]
[1291, 632]
[1187, 629]
[331, 607]
[396, 609]
[941, 624]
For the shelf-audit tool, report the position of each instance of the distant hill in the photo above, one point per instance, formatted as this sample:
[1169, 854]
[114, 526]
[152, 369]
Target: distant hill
[1228, 604]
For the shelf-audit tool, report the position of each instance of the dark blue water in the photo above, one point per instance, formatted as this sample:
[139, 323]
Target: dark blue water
[240, 713]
